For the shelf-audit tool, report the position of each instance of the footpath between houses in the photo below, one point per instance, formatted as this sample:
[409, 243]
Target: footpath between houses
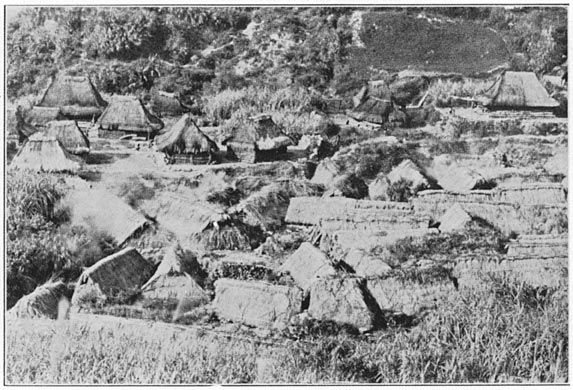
[364, 262]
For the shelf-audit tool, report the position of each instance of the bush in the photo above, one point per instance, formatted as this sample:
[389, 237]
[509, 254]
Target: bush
[400, 191]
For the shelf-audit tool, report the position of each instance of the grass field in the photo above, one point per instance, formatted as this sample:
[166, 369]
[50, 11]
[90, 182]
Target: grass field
[502, 332]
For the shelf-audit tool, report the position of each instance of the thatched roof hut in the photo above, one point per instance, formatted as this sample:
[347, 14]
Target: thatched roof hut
[41, 116]
[128, 115]
[69, 135]
[373, 103]
[260, 139]
[518, 91]
[408, 170]
[105, 212]
[185, 142]
[124, 271]
[17, 126]
[43, 153]
[76, 97]
[49, 300]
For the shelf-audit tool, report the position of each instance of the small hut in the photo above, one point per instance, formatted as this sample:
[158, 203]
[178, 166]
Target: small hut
[127, 115]
[17, 127]
[260, 139]
[69, 135]
[374, 103]
[50, 300]
[123, 272]
[184, 142]
[75, 96]
[518, 91]
[43, 153]
[41, 116]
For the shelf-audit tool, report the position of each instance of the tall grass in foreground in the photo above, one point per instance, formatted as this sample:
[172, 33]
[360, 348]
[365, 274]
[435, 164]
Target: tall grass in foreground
[503, 332]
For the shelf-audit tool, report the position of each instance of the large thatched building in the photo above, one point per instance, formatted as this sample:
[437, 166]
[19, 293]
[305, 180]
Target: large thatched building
[260, 139]
[41, 116]
[374, 103]
[75, 96]
[518, 91]
[127, 115]
[44, 153]
[184, 142]
[69, 135]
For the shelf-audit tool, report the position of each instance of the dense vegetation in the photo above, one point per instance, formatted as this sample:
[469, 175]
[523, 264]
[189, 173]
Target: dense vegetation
[207, 50]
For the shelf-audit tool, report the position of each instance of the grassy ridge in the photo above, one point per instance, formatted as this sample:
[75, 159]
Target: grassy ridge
[396, 41]
[502, 332]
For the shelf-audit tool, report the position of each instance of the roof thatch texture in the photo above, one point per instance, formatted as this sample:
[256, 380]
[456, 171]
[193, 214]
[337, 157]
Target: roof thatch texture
[325, 172]
[345, 239]
[42, 153]
[518, 90]
[533, 193]
[69, 135]
[454, 219]
[261, 131]
[539, 246]
[373, 103]
[458, 179]
[127, 113]
[177, 261]
[180, 289]
[184, 137]
[40, 116]
[407, 170]
[49, 300]
[76, 97]
[105, 212]
[309, 210]
[16, 124]
[123, 271]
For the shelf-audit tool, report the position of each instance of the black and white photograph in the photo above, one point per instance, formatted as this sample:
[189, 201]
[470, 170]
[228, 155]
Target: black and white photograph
[286, 194]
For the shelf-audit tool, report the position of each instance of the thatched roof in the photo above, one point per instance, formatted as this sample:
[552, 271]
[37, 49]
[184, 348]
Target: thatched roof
[76, 97]
[49, 300]
[40, 116]
[105, 212]
[125, 270]
[457, 179]
[176, 262]
[373, 103]
[43, 153]
[184, 137]
[539, 246]
[176, 288]
[325, 172]
[454, 219]
[127, 113]
[518, 90]
[16, 124]
[311, 210]
[407, 170]
[69, 135]
[261, 131]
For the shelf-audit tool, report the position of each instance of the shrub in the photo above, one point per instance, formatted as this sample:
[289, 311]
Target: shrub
[400, 191]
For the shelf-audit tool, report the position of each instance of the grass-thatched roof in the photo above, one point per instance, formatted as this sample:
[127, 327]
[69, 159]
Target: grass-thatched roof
[184, 137]
[127, 113]
[43, 153]
[69, 135]
[123, 271]
[49, 300]
[16, 124]
[40, 116]
[76, 97]
[373, 103]
[262, 131]
[518, 90]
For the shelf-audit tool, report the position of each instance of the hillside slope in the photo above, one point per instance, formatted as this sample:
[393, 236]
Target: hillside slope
[395, 41]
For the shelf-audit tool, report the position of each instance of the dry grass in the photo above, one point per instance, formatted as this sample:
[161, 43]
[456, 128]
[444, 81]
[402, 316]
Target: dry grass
[500, 332]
